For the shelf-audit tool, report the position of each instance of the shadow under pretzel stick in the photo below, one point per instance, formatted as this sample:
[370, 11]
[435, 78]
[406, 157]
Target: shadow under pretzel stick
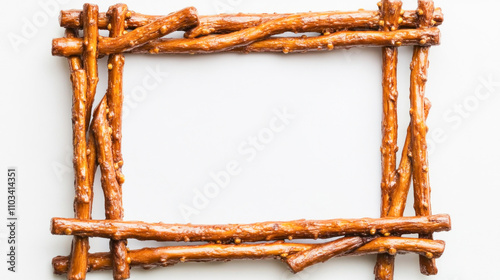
[132, 32]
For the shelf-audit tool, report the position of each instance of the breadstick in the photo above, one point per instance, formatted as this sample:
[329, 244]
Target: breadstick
[299, 229]
[166, 256]
[227, 23]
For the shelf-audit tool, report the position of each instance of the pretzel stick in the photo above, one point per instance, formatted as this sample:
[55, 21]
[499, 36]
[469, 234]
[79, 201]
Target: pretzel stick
[230, 42]
[298, 229]
[321, 253]
[226, 23]
[403, 179]
[390, 15]
[89, 53]
[128, 41]
[385, 266]
[421, 185]
[114, 98]
[110, 186]
[164, 256]
[339, 40]
[115, 86]
[83, 191]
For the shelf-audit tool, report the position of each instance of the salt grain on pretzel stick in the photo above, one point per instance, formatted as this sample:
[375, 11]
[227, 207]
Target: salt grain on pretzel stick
[83, 191]
[114, 98]
[266, 231]
[166, 256]
[89, 53]
[227, 23]
[111, 187]
[418, 78]
[130, 40]
[338, 40]
[321, 253]
[390, 18]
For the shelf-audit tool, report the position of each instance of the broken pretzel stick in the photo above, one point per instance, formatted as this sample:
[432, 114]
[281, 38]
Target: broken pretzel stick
[299, 229]
[323, 252]
[165, 256]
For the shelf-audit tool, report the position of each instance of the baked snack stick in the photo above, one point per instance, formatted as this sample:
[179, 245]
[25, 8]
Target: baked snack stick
[420, 165]
[114, 99]
[398, 198]
[111, 188]
[227, 23]
[255, 40]
[299, 229]
[89, 53]
[403, 178]
[129, 40]
[166, 256]
[338, 40]
[83, 191]
[321, 253]
[390, 18]
[114, 93]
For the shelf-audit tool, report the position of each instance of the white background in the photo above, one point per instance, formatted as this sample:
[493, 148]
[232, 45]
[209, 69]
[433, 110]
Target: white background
[324, 164]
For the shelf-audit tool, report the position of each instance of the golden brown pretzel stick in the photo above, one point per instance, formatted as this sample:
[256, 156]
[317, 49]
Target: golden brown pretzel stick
[83, 190]
[130, 40]
[420, 164]
[111, 187]
[266, 231]
[221, 43]
[403, 178]
[385, 266]
[163, 256]
[227, 23]
[114, 94]
[390, 16]
[114, 98]
[323, 252]
[338, 40]
[89, 53]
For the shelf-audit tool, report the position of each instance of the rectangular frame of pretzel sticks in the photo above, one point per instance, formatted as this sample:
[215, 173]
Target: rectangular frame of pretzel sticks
[97, 139]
